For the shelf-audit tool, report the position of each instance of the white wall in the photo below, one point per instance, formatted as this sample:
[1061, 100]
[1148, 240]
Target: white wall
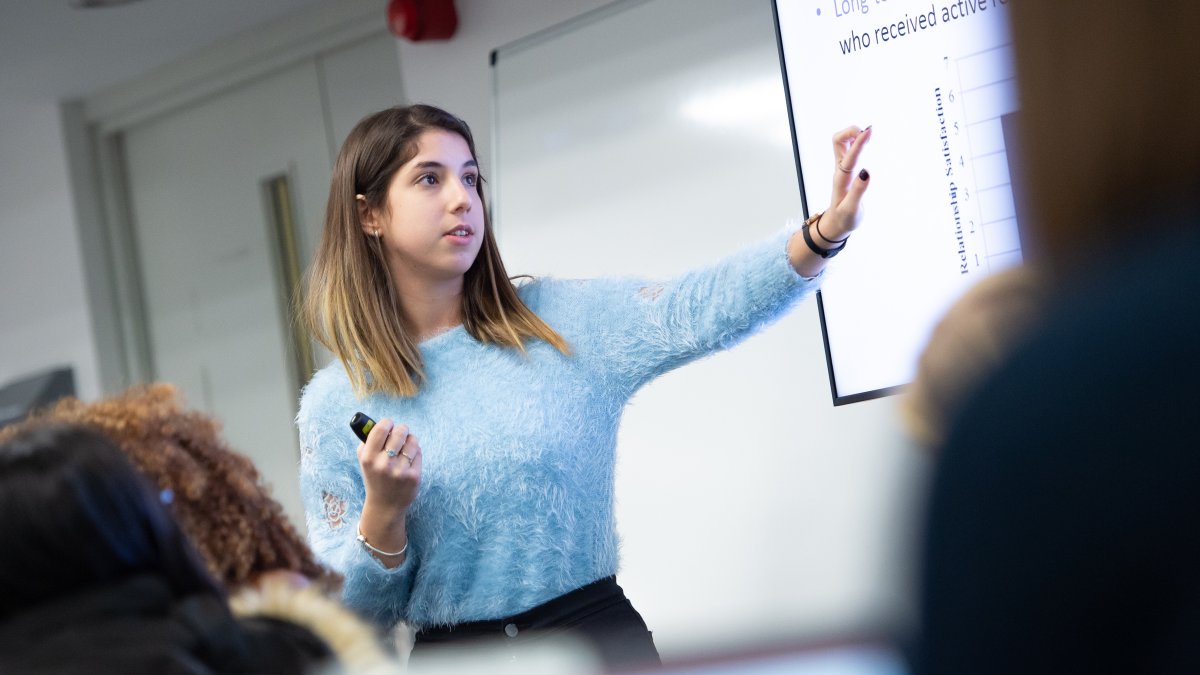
[456, 74]
[44, 319]
[49, 52]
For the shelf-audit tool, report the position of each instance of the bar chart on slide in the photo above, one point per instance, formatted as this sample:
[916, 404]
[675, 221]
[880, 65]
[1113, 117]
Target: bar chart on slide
[983, 95]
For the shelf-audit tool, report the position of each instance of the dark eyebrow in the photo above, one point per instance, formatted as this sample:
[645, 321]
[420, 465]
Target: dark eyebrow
[430, 164]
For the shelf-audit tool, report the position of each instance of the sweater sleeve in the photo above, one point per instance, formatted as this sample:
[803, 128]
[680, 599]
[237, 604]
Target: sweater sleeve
[332, 490]
[648, 328]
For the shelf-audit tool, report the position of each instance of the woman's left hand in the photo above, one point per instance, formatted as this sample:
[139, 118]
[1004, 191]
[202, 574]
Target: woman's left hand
[849, 183]
[840, 219]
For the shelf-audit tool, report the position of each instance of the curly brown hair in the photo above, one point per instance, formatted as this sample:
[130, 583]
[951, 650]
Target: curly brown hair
[217, 494]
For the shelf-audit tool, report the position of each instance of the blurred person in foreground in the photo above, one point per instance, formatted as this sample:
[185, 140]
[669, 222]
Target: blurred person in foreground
[215, 493]
[226, 511]
[967, 344]
[1061, 527]
[96, 576]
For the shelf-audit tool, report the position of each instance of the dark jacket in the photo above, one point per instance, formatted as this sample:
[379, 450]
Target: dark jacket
[1062, 527]
[137, 626]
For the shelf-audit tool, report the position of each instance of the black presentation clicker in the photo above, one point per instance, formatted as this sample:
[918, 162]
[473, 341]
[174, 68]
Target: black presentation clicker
[362, 425]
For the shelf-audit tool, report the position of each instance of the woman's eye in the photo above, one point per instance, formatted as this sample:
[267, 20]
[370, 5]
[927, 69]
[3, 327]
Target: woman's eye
[470, 180]
[428, 179]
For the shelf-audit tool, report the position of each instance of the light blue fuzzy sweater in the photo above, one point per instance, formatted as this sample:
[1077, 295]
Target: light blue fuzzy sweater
[515, 505]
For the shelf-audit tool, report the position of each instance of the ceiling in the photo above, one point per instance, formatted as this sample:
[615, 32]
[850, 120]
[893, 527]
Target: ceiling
[51, 49]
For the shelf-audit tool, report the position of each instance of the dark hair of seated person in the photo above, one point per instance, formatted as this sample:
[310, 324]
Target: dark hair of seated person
[96, 576]
[218, 496]
[77, 515]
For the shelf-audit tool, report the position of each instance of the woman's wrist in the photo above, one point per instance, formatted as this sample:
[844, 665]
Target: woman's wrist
[382, 533]
[829, 236]
[391, 556]
[803, 260]
[388, 516]
[819, 245]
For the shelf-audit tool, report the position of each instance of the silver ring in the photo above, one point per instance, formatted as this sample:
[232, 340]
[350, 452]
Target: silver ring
[391, 452]
[405, 455]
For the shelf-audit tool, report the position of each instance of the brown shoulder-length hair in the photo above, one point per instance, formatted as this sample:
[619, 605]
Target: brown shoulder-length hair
[1110, 96]
[350, 305]
[215, 494]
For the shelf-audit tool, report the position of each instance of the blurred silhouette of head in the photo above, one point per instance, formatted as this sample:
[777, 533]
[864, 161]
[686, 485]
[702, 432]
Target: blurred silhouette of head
[1109, 102]
[216, 493]
[969, 342]
[78, 515]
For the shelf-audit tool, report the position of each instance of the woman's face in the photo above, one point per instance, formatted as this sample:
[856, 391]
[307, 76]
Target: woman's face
[432, 227]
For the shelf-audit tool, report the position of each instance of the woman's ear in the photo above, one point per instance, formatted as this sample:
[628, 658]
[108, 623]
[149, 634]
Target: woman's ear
[367, 217]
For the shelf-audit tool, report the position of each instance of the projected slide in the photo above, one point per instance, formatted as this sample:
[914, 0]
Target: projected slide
[935, 81]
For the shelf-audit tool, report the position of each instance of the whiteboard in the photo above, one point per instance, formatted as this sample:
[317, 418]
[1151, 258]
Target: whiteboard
[937, 84]
[649, 138]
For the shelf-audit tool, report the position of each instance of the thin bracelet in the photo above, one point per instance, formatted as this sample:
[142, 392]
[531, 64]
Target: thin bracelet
[363, 540]
[824, 253]
[817, 227]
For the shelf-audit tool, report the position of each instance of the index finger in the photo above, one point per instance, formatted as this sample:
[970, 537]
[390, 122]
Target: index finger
[376, 438]
[841, 138]
[851, 140]
[847, 143]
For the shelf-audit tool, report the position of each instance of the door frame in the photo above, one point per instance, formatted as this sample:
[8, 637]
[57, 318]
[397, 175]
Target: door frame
[94, 128]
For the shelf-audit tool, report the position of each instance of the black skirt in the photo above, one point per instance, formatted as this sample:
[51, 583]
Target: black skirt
[599, 614]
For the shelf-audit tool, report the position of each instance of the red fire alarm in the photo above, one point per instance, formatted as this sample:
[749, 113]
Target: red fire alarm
[419, 20]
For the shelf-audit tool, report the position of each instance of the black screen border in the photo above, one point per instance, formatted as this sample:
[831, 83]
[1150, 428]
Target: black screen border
[787, 94]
